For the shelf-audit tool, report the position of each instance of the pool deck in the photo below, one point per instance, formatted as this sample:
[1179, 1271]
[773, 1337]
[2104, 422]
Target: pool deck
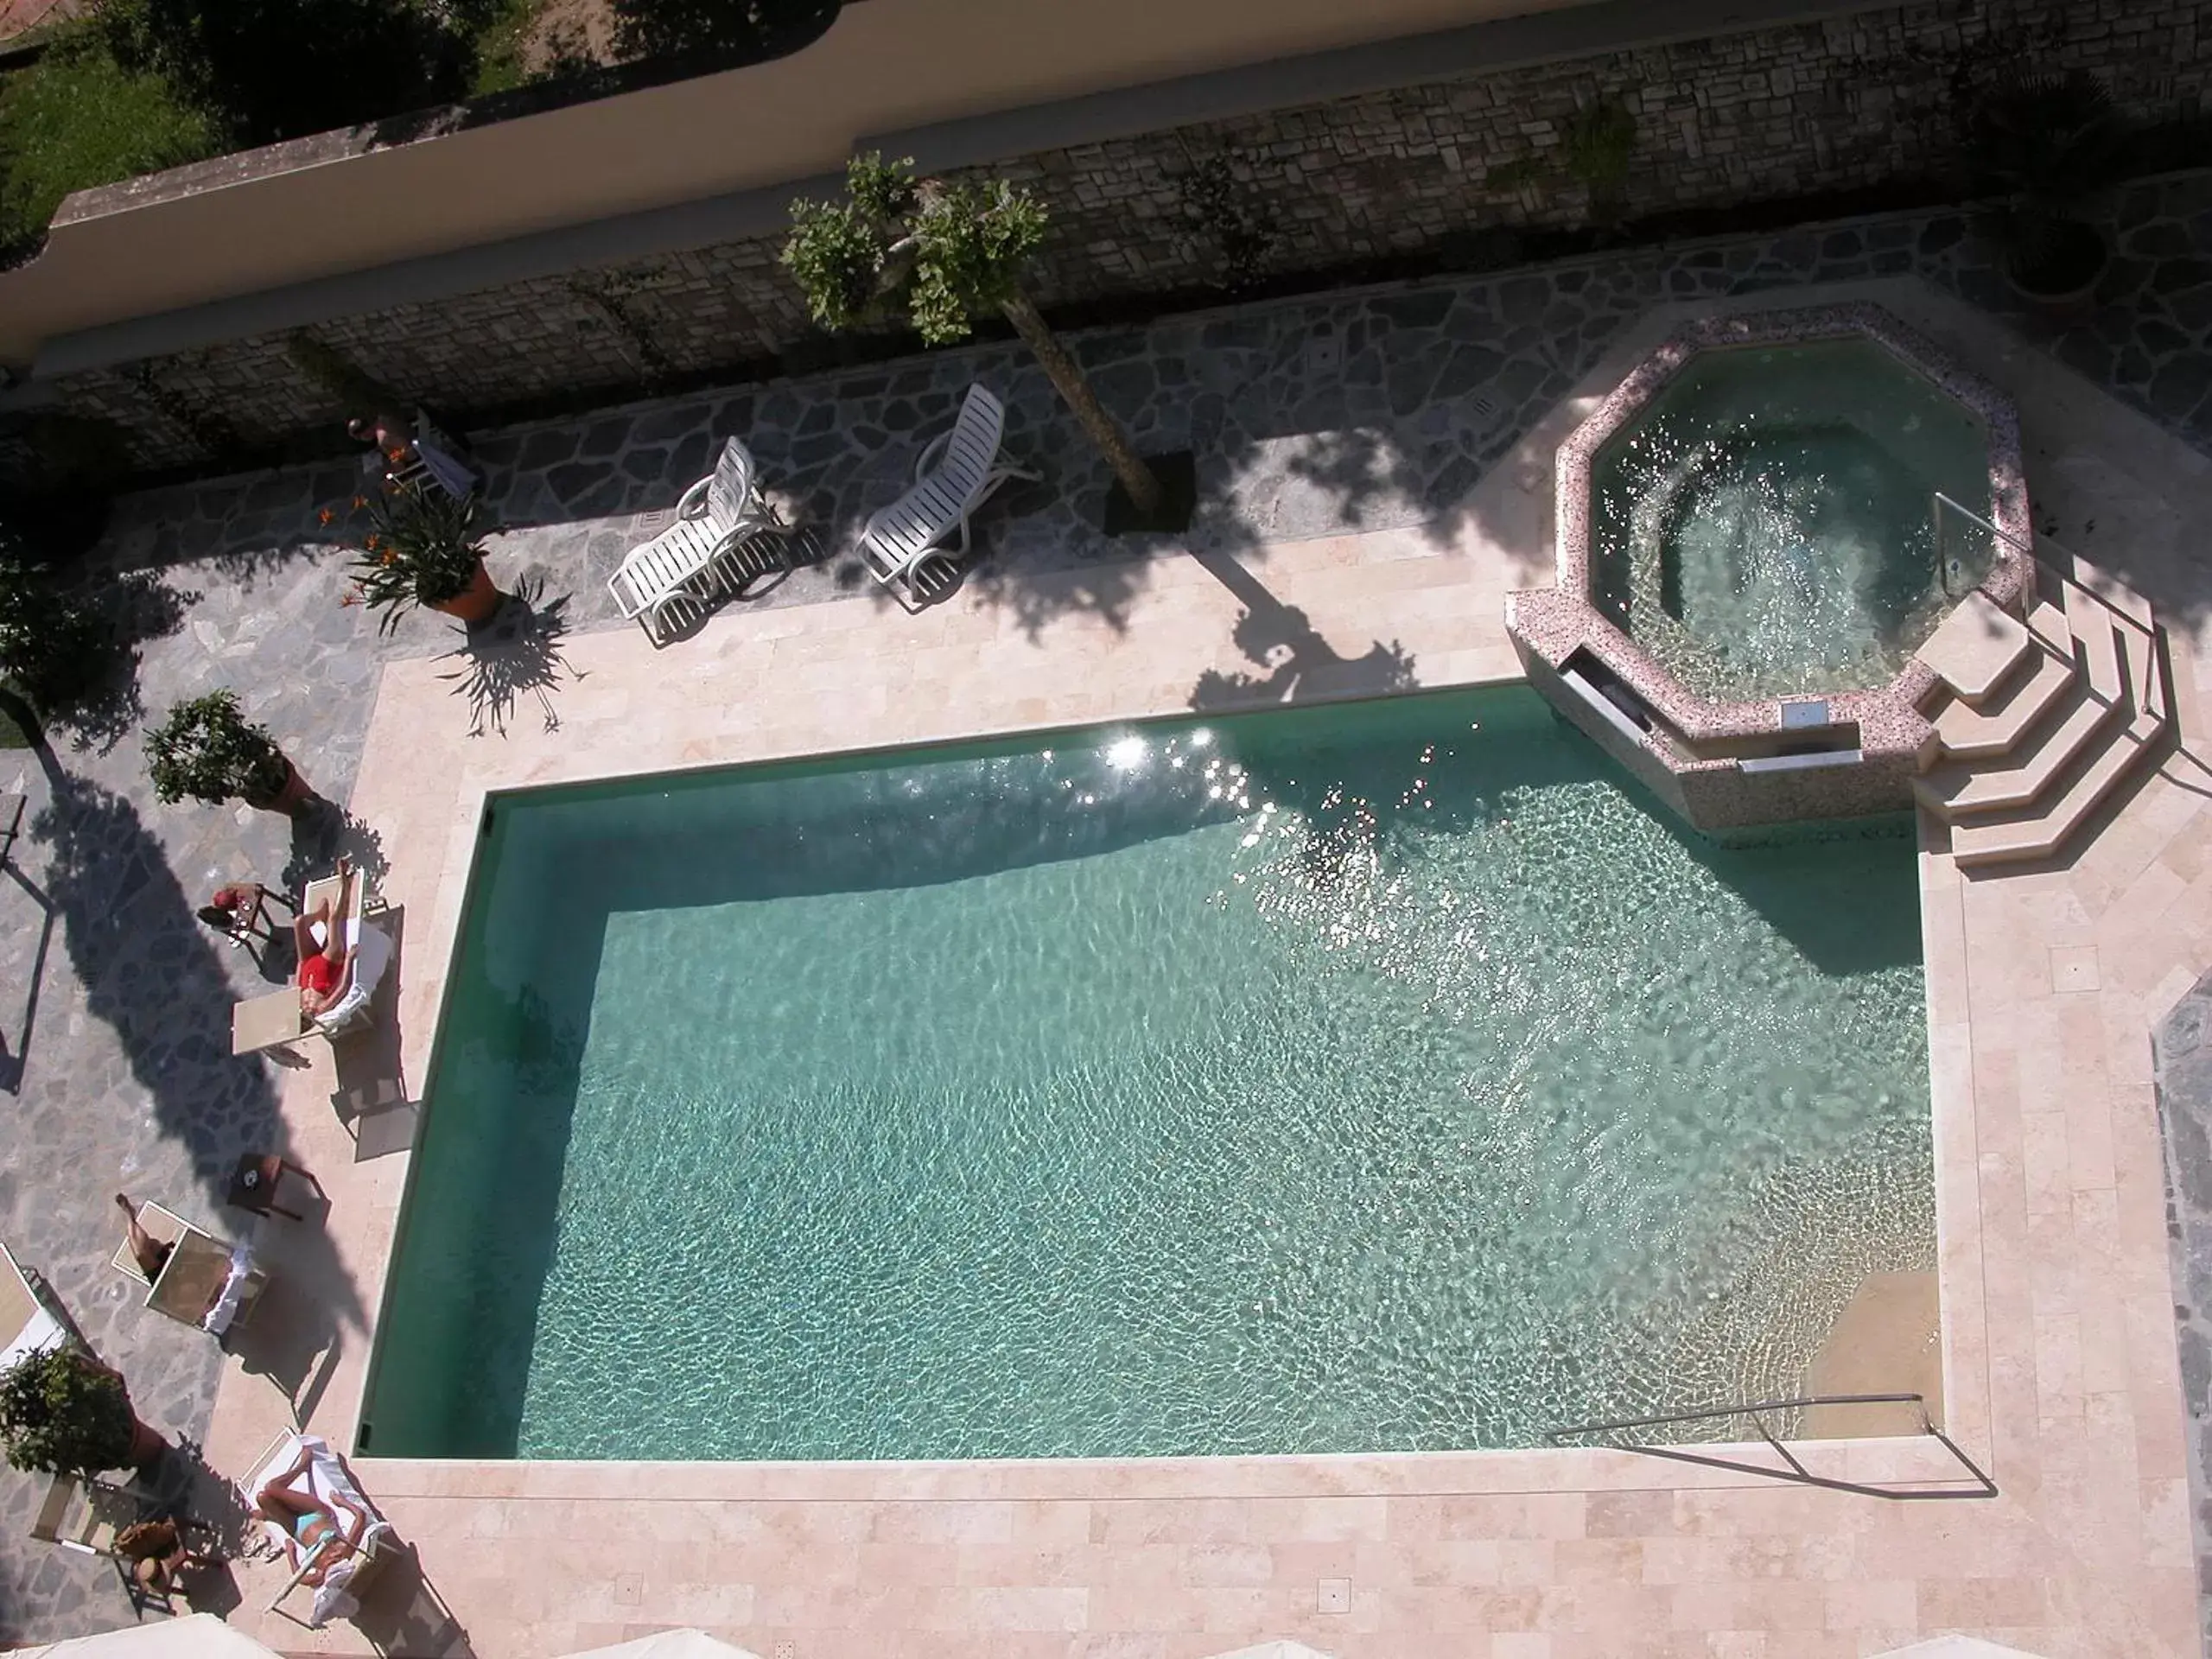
[2059, 1340]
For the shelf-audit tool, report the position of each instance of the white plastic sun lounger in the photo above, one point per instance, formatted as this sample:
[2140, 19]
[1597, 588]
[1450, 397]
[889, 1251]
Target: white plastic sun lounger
[903, 544]
[29, 1323]
[328, 1479]
[725, 538]
[269, 1021]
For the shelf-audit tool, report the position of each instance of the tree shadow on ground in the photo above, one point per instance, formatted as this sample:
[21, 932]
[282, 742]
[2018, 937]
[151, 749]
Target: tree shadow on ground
[151, 974]
[322, 832]
[1297, 663]
[518, 653]
[135, 607]
[15, 1045]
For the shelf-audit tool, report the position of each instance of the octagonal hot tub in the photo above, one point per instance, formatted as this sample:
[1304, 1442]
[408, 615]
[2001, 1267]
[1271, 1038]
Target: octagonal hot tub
[1757, 531]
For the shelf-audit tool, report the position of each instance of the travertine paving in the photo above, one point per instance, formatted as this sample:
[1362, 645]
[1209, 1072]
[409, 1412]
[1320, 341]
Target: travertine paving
[1341, 425]
[2057, 1330]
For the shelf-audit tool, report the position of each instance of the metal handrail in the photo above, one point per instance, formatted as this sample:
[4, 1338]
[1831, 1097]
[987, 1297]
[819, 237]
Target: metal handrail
[1796, 1474]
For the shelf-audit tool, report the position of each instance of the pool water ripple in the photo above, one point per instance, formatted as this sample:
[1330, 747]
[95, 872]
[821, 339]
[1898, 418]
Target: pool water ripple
[1385, 1077]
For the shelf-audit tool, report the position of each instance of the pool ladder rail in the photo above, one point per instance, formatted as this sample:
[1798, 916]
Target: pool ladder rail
[1793, 1470]
[2039, 721]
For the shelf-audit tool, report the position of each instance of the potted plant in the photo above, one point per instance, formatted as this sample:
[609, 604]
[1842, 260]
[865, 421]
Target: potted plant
[63, 1413]
[419, 547]
[2048, 143]
[208, 750]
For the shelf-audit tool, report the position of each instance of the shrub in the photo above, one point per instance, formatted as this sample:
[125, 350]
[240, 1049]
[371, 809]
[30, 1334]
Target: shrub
[61, 1413]
[273, 69]
[77, 119]
[208, 750]
[420, 548]
[53, 647]
[741, 31]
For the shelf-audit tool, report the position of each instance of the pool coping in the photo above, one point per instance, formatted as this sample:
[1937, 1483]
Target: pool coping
[729, 697]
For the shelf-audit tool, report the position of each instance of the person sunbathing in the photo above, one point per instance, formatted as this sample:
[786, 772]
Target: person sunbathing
[157, 1555]
[308, 1521]
[149, 1252]
[323, 961]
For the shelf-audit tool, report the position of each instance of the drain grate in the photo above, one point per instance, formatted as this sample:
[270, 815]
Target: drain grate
[786, 1650]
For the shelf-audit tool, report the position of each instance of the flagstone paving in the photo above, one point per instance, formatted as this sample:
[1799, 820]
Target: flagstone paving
[1364, 410]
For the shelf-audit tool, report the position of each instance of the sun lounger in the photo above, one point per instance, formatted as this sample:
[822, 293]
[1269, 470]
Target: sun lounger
[30, 1324]
[726, 537]
[205, 1282]
[328, 1479]
[903, 545]
[268, 1021]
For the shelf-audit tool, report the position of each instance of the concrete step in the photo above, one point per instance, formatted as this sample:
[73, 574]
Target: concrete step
[1956, 790]
[2048, 623]
[1975, 648]
[2091, 624]
[1998, 726]
[2042, 832]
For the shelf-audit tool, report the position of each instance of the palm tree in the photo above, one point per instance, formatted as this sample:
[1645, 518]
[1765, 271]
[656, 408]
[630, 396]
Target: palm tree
[943, 254]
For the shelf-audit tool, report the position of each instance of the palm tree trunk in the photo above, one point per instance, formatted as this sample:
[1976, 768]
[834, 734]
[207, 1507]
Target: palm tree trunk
[1066, 375]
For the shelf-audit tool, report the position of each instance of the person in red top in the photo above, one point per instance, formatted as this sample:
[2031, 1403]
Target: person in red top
[323, 961]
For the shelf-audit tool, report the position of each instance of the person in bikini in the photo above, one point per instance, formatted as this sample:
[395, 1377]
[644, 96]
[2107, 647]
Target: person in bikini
[308, 1521]
[149, 1252]
[323, 963]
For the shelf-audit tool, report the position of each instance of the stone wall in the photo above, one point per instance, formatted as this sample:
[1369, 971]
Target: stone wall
[1768, 115]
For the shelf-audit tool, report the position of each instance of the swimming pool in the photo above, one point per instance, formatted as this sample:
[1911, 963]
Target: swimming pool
[1388, 1076]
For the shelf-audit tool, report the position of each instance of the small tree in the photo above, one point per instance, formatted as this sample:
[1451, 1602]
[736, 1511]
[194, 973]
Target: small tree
[943, 254]
[61, 1413]
[52, 646]
[208, 750]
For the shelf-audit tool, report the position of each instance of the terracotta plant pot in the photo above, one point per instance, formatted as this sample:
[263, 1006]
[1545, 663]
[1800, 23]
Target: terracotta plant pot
[290, 798]
[146, 1445]
[2070, 298]
[475, 603]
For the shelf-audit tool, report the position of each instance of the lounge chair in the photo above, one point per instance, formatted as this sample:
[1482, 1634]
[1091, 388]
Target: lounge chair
[30, 1323]
[431, 460]
[89, 1515]
[904, 543]
[204, 1282]
[269, 1020]
[726, 537]
[328, 1479]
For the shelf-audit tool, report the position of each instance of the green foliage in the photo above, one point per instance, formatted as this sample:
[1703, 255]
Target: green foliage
[63, 1413]
[837, 250]
[2049, 140]
[418, 546]
[273, 69]
[353, 388]
[973, 243]
[1510, 178]
[740, 31]
[208, 750]
[1230, 218]
[52, 646]
[938, 252]
[77, 119]
[1595, 149]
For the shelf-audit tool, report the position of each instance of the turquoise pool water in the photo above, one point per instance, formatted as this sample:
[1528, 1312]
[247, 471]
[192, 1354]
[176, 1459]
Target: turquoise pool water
[1386, 1077]
[1766, 526]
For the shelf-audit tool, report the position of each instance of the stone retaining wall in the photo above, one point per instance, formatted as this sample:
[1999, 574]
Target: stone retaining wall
[1772, 114]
